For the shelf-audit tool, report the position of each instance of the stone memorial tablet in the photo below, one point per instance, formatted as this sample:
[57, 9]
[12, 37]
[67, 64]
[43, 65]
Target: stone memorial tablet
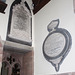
[57, 44]
[19, 26]
[54, 47]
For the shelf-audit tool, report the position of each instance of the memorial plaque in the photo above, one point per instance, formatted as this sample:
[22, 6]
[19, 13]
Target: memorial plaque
[57, 44]
[54, 47]
[19, 26]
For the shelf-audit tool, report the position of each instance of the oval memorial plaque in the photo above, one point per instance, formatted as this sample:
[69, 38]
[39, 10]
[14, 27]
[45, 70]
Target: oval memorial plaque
[54, 44]
[57, 44]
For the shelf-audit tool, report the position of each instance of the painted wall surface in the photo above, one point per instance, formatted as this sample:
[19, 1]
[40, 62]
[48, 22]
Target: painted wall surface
[4, 20]
[55, 9]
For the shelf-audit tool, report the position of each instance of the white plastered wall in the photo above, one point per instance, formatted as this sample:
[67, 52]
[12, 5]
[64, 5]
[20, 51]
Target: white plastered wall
[4, 20]
[55, 9]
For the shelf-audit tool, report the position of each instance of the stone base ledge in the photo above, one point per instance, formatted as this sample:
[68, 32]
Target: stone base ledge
[12, 46]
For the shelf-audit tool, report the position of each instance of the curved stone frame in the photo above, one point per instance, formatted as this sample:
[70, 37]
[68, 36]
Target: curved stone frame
[27, 40]
[9, 66]
[67, 44]
[57, 60]
[6, 67]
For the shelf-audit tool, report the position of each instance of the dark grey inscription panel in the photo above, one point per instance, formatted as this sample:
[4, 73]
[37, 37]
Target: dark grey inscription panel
[54, 44]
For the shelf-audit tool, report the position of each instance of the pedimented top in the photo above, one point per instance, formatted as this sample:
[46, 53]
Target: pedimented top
[53, 25]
